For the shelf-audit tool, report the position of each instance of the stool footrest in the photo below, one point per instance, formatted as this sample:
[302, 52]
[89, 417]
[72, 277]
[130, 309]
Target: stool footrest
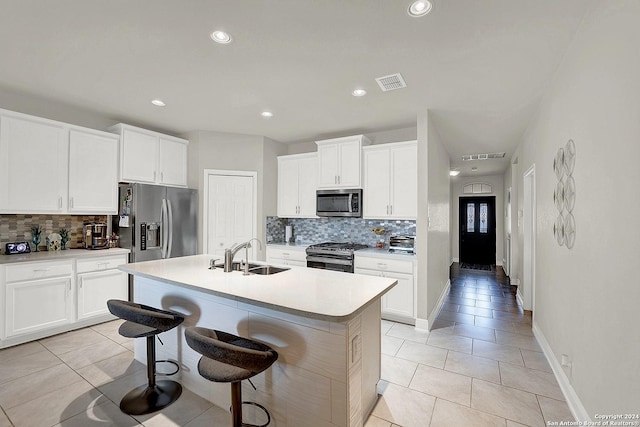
[162, 374]
[263, 410]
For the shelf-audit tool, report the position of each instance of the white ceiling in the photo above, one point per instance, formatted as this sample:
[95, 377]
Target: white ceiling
[480, 67]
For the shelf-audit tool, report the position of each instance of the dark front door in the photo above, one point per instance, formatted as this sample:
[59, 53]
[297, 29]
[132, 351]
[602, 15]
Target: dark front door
[478, 230]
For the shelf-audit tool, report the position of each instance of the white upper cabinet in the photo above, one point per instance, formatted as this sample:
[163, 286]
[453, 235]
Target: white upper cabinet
[93, 172]
[151, 157]
[138, 156]
[173, 161]
[390, 188]
[33, 165]
[339, 162]
[297, 184]
[52, 167]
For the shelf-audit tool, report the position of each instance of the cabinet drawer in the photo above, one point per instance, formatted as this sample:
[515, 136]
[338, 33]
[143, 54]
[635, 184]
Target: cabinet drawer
[383, 264]
[39, 270]
[298, 254]
[100, 263]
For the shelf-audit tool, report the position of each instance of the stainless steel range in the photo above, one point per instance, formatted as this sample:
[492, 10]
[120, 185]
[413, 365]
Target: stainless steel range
[333, 256]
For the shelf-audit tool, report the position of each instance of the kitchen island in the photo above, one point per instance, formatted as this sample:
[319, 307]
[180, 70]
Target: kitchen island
[325, 326]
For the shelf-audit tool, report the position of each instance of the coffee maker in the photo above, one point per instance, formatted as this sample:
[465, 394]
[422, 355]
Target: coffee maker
[95, 236]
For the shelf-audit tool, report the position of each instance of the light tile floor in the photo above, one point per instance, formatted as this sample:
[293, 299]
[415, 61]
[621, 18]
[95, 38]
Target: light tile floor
[479, 366]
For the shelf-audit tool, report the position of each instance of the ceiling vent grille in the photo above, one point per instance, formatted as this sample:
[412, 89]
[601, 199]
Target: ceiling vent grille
[483, 156]
[391, 82]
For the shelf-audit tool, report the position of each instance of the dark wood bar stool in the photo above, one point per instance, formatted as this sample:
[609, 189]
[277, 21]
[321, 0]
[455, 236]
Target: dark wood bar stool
[228, 358]
[145, 321]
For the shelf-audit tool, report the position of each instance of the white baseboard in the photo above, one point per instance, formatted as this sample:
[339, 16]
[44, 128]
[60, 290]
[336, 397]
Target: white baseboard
[438, 307]
[519, 298]
[456, 259]
[422, 324]
[573, 401]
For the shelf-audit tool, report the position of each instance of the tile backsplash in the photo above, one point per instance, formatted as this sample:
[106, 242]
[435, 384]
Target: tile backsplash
[17, 228]
[317, 230]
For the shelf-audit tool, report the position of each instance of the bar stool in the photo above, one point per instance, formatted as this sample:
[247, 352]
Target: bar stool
[227, 358]
[145, 321]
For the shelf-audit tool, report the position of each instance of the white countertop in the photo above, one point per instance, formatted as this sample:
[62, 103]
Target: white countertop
[304, 291]
[384, 253]
[60, 255]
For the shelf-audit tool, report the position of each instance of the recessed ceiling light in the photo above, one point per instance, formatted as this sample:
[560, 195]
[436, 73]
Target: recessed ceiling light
[454, 173]
[266, 114]
[158, 103]
[419, 8]
[359, 92]
[221, 37]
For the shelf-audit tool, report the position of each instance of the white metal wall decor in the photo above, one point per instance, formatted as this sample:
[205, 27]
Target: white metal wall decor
[564, 196]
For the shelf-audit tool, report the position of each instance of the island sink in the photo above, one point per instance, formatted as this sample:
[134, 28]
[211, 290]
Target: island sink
[261, 269]
[266, 269]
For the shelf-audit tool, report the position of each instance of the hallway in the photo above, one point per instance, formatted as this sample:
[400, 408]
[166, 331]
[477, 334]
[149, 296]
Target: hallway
[479, 366]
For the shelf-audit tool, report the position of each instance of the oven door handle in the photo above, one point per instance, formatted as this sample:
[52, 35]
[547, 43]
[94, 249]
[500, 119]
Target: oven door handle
[329, 260]
[350, 202]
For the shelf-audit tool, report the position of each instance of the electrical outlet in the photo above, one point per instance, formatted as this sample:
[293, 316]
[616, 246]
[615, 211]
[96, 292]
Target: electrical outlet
[566, 361]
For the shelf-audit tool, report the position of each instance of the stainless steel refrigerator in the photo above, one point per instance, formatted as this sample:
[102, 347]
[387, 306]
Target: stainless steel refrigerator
[156, 222]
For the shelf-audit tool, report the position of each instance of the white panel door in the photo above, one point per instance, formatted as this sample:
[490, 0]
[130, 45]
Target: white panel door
[173, 162]
[230, 213]
[33, 166]
[139, 156]
[307, 186]
[404, 182]
[93, 189]
[376, 183]
[328, 165]
[399, 300]
[349, 158]
[96, 288]
[37, 305]
[288, 187]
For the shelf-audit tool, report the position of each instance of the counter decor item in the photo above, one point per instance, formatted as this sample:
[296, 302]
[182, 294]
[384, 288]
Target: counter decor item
[36, 232]
[17, 248]
[288, 233]
[54, 242]
[379, 231]
[64, 238]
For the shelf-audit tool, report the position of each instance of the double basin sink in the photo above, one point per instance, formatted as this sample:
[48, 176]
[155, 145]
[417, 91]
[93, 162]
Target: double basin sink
[262, 269]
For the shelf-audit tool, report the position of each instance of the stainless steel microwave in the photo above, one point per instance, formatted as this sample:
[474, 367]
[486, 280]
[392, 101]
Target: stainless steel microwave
[341, 202]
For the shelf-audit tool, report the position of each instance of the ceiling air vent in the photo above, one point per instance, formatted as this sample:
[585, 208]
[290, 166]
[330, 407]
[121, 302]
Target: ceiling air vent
[391, 82]
[483, 156]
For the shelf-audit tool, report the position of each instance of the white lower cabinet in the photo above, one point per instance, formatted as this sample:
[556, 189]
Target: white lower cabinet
[399, 303]
[96, 288]
[36, 305]
[296, 256]
[44, 298]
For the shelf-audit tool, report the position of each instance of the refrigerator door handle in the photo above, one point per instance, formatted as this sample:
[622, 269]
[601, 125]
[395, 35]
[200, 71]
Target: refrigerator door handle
[163, 229]
[169, 229]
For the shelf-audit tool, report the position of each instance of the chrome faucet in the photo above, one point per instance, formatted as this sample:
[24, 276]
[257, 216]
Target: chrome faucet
[231, 252]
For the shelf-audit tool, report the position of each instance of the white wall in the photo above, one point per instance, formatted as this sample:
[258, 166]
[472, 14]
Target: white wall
[432, 225]
[439, 198]
[587, 299]
[457, 184]
[227, 151]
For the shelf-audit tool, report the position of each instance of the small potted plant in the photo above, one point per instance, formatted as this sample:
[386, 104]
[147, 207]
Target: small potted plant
[64, 238]
[36, 233]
